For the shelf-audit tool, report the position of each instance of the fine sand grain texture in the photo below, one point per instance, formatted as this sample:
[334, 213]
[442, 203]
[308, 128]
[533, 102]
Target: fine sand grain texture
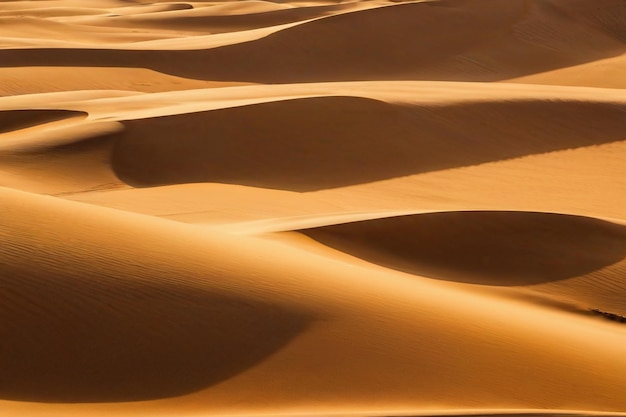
[313, 208]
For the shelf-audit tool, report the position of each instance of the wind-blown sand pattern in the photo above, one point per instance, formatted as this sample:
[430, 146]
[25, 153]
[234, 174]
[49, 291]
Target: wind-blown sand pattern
[317, 208]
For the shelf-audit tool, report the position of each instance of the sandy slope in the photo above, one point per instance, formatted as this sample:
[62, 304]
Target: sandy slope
[491, 40]
[253, 208]
[318, 141]
[146, 280]
[607, 73]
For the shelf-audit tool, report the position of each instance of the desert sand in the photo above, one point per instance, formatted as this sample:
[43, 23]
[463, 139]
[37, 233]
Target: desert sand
[313, 208]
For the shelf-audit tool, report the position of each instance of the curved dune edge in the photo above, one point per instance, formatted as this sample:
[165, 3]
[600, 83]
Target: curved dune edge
[606, 73]
[13, 120]
[95, 326]
[481, 247]
[38, 80]
[366, 324]
[52, 157]
[316, 142]
[57, 137]
[379, 43]
[207, 20]
[568, 262]
[321, 142]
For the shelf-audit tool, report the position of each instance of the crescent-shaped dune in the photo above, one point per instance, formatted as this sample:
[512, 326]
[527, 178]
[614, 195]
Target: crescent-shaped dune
[316, 143]
[136, 316]
[393, 42]
[322, 142]
[476, 247]
[313, 208]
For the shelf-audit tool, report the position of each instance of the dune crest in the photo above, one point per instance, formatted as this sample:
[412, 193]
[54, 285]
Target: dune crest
[313, 143]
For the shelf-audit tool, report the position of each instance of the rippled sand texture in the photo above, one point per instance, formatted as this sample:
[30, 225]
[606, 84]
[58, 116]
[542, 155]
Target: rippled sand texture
[278, 208]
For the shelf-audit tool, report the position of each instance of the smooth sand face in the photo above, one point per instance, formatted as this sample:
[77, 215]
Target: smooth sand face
[359, 208]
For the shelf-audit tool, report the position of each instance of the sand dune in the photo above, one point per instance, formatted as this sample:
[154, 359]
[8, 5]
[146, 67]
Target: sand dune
[207, 20]
[183, 295]
[314, 143]
[602, 73]
[33, 80]
[319, 143]
[392, 42]
[477, 247]
[315, 208]
[21, 119]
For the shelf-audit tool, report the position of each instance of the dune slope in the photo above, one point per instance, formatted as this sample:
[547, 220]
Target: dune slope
[491, 40]
[125, 308]
[318, 143]
[477, 246]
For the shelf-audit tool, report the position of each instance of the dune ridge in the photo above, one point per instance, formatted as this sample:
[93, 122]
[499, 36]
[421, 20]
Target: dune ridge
[356, 132]
[340, 312]
[21, 119]
[402, 43]
[325, 139]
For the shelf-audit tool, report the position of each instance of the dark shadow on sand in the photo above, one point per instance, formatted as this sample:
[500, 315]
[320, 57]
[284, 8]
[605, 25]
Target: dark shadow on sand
[101, 339]
[482, 247]
[326, 142]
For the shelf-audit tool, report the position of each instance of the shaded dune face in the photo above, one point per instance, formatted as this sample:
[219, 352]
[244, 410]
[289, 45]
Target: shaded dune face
[405, 42]
[54, 142]
[225, 23]
[11, 120]
[372, 44]
[482, 247]
[122, 342]
[319, 143]
[85, 324]
[144, 343]
[492, 40]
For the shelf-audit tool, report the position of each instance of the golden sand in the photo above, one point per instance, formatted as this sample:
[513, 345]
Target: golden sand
[313, 208]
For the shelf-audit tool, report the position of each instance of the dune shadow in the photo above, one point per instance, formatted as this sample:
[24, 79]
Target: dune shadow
[326, 142]
[220, 23]
[96, 339]
[11, 120]
[403, 41]
[482, 247]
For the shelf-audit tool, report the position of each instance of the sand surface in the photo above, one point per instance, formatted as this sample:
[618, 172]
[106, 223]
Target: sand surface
[313, 208]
